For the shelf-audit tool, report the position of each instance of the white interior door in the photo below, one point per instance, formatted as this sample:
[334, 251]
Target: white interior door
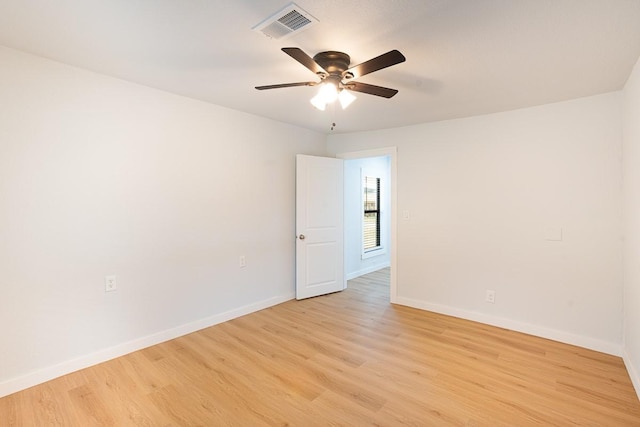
[319, 226]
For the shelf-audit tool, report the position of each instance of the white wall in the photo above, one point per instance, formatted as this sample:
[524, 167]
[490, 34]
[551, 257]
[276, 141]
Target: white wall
[482, 192]
[354, 264]
[631, 204]
[100, 176]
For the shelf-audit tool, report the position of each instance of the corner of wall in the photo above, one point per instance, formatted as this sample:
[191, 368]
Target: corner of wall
[631, 225]
[633, 373]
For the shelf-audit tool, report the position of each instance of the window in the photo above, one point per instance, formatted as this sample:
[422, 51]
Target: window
[371, 225]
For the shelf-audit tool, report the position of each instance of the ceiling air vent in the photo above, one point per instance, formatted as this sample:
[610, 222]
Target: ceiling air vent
[287, 21]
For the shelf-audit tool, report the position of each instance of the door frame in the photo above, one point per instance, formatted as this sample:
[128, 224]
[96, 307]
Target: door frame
[392, 153]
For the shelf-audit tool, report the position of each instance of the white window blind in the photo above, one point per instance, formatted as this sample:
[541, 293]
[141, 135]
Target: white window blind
[371, 226]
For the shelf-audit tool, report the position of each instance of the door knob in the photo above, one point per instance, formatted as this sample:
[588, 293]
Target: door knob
[301, 237]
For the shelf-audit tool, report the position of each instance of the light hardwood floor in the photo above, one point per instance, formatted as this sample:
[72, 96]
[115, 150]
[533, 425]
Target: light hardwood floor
[349, 359]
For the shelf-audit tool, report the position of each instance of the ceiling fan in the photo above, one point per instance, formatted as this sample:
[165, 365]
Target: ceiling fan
[336, 78]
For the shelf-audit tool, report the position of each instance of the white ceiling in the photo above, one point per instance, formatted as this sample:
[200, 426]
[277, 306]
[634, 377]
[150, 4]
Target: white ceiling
[464, 57]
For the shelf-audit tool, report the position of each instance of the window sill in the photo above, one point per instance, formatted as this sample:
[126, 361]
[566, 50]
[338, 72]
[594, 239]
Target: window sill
[380, 250]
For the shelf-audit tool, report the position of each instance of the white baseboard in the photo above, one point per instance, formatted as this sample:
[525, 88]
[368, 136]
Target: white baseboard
[552, 334]
[633, 372]
[43, 375]
[367, 270]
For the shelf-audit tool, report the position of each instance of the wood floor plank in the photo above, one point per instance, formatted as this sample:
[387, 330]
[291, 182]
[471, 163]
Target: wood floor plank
[344, 359]
[94, 409]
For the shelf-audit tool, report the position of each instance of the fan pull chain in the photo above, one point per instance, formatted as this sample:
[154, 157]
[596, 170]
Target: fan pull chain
[333, 113]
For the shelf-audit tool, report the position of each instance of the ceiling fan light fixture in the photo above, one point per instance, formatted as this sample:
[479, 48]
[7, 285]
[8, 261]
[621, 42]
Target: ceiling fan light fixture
[318, 102]
[328, 92]
[346, 98]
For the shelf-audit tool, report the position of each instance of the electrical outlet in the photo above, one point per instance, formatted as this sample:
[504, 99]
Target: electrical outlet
[242, 261]
[490, 296]
[110, 284]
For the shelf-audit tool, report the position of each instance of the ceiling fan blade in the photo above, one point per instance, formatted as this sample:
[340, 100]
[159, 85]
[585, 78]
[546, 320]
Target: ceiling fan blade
[286, 85]
[385, 60]
[384, 92]
[304, 59]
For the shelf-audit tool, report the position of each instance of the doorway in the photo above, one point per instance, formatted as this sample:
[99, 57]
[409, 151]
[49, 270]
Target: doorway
[378, 163]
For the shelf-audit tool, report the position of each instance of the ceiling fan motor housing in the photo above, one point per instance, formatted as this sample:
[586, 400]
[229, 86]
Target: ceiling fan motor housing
[335, 63]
